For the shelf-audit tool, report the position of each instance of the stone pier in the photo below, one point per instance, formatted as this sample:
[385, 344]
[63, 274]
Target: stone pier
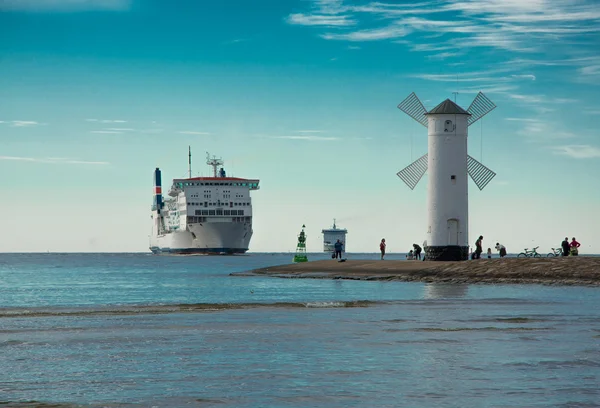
[579, 270]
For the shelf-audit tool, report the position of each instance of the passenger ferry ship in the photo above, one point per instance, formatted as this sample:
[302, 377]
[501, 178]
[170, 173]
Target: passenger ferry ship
[203, 215]
[330, 237]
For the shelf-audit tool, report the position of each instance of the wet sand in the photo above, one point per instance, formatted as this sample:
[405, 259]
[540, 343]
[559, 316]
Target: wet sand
[579, 270]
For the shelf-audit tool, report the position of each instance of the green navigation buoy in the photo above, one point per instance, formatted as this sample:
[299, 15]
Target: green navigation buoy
[301, 247]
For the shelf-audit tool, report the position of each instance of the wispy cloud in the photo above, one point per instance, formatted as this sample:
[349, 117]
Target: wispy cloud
[514, 25]
[542, 129]
[542, 99]
[309, 138]
[193, 132]
[107, 120]
[320, 20]
[64, 5]
[107, 132]
[21, 123]
[528, 76]
[53, 160]
[578, 151]
[309, 131]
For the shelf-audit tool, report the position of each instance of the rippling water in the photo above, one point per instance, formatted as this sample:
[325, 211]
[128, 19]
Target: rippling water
[141, 330]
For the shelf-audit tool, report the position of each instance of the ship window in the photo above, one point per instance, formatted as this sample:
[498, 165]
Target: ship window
[211, 212]
[219, 212]
[204, 212]
[227, 212]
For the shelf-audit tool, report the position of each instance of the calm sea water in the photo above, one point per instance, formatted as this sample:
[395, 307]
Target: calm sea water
[143, 330]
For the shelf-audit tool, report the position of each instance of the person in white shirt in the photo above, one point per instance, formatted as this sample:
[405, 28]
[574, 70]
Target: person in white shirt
[501, 249]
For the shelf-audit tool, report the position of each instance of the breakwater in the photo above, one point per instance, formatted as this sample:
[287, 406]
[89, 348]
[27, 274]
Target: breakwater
[553, 271]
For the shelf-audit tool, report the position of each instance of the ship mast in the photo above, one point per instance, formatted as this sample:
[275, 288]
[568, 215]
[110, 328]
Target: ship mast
[214, 162]
[189, 162]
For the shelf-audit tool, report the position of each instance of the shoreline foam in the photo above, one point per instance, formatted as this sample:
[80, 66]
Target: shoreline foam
[579, 270]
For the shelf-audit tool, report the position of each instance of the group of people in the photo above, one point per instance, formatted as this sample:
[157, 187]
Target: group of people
[570, 248]
[414, 253]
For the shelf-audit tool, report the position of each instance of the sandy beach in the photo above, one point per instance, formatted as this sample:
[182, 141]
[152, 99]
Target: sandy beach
[551, 271]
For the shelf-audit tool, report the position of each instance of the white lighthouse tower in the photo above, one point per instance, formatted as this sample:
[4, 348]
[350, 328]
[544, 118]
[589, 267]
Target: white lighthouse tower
[448, 164]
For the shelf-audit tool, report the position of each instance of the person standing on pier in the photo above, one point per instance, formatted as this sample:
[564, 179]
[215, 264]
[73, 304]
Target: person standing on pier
[489, 253]
[566, 248]
[338, 249]
[382, 248]
[574, 246]
[478, 247]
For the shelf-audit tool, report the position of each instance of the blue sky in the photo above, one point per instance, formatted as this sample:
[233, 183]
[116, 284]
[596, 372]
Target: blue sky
[302, 95]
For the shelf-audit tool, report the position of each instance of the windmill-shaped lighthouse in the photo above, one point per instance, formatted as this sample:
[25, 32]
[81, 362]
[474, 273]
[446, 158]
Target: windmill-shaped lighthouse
[448, 164]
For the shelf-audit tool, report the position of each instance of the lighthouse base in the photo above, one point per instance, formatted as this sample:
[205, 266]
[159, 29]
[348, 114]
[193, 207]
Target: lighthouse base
[447, 253]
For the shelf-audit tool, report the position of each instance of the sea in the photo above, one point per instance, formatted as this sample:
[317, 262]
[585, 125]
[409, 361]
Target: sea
[140, 330]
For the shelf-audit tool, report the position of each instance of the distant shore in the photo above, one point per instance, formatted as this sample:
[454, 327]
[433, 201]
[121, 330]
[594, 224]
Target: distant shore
[578, 270]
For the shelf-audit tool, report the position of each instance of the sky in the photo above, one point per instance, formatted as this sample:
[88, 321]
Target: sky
[303, 95]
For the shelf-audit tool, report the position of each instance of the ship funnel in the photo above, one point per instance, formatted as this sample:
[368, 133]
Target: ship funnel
[158, 199]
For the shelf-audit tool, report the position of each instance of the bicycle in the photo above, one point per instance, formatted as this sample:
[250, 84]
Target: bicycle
[556, 252]
[529, 254]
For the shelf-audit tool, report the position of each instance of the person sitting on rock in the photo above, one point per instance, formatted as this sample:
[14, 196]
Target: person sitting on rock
[502, 249]
[574, 247]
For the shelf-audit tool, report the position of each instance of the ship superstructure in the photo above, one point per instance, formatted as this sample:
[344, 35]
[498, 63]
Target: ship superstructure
[203, 215]
[330, 237]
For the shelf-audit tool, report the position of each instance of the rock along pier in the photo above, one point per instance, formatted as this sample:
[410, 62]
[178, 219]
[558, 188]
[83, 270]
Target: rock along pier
[579, 270]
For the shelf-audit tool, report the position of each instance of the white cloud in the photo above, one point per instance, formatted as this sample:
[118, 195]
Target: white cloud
[310, 138]
[527, 76]
[514, 25]
[193, 132]
[578, 151]
[522, 120]
[64, 5]
[319, 20]
[376, 34]
[309, 131]
[52, 160]
[23, 123]
[107, 132]
[120, 129]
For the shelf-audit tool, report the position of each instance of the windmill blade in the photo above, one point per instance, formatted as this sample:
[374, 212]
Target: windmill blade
[480, 107]
[412, 173]
[413, 107]
[480, 174]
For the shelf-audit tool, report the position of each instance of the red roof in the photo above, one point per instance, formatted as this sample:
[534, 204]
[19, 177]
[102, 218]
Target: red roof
[217, 179]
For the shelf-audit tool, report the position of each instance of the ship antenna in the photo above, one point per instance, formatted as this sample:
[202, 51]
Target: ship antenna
[214, 162]
[334, 223]
[189, 162]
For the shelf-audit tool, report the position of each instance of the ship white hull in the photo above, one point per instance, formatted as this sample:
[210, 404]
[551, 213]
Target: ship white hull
[205, 238]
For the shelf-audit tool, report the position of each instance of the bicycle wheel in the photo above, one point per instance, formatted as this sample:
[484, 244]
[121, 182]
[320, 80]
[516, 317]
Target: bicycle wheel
[550, 255]
[537, 256]
[522, 255]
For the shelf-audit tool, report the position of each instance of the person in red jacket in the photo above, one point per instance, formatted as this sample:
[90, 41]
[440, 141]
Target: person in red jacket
[382, 248]
[574, 245]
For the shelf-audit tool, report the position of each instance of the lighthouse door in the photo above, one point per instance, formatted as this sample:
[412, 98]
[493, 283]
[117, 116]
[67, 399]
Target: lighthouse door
[452, 231]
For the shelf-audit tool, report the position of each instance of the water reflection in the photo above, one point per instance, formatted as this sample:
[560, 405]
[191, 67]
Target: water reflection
[445, 290]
